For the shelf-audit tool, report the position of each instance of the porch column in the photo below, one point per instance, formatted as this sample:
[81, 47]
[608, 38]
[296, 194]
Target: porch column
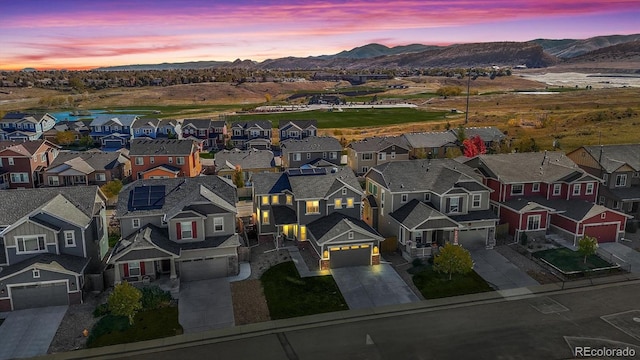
[116, 274]
[173, 269]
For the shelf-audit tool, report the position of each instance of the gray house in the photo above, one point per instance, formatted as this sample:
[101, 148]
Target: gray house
[296, 153]
[365, 154]
[184, 227]
[248, 161]
[251, 134]
[297, 129]
[296, 203]
[49, 239]
[430, 144]
[427, 203]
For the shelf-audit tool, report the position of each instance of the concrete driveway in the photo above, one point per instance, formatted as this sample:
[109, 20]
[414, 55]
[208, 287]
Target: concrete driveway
[205, 305]
[629, 256]
[365, 287]
[498, 271]
[28, 333]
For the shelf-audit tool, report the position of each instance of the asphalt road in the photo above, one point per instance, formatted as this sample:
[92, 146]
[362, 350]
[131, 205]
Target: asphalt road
[530, 328]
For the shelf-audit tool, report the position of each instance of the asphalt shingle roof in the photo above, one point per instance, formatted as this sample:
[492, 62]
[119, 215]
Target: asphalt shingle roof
[430, 139]
[246, 159]
[415, 213]
[302, 124]
[97, 160]
[328, 227]
[378, 143]
[265, 124]
[198, 123]
[124, 120]
[614, 156]
[146, 122]
[312, 143]
[486, 134]
[151, 147]
[71, 263]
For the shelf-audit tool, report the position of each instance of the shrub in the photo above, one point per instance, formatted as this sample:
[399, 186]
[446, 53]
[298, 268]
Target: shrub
[416, 262]
[153, 297]
[632, 227]
[523, 239]
[101, 310]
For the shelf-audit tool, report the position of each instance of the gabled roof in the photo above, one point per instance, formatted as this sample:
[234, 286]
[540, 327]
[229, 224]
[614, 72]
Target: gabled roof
[165, 168]
[615, 156]
[578, 210]
[436, 175]
[122, 120]
[264, 124]
[143, 242]
[270, 183]
[376, 143]
[321, 186]
[418, 215]
[13, 117]
[88, 161]
[430, 139]
[486, 134]
[246, 159]
[197, 123]
[168, 122]
[69, 263]
[329, 227]
[302, 124]
[25, 148]
[161, 147]
[140, 123]
[312, 143]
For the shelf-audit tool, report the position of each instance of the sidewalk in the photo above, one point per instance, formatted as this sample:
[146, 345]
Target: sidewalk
[303, 270]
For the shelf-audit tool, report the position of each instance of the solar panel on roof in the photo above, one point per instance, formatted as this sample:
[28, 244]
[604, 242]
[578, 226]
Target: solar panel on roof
[146, 198]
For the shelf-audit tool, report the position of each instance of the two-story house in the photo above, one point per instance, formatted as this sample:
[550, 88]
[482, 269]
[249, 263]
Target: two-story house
[112, 131]
[430, 144]
[427, 203]
[21, 126]
[169, 129]
[249, 162]
[539, 192]
[309, 150]
[145, 128]
[176, 228]
[251, 134]
[217, 134]
[49, 240]
[619, 167]
[364, 154]
[79, 129]
[319, 205]
[297, 129]
[87, 168]
[197, 129]
[164, 158]
[25, 162]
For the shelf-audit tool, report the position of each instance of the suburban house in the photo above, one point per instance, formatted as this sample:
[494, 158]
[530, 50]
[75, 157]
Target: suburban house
[197, 129]
[320, 205]
[145, 128]
[297, 129]
[248, 161]
[542, 192]
[49, 240]
[112, 131]
[23, 163]
[427, 203]
[491, 136]
[174, 228]
[87, 168]
[25, 126]
[430, 144]
[169, 128]
[164, 158]
[251, 134]
[78, 128]
[364, 154]
[309, 150]
[619, 167]
[217, 134]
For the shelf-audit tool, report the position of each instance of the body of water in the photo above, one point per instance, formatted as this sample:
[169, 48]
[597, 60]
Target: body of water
[74, 115]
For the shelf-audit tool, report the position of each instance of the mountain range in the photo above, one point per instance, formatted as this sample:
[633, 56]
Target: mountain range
[538, 53]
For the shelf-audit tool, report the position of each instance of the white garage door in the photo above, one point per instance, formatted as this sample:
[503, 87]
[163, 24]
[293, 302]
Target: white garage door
[40, 295]
[202, 269]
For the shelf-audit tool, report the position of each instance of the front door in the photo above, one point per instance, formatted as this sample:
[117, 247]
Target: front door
[165, 266]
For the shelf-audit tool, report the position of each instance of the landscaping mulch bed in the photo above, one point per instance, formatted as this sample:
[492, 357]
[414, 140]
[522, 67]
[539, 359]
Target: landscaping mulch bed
[249, 303]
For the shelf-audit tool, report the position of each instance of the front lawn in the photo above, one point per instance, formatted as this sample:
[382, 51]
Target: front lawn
[148, 324]
[571, 261]
[288, 295]
[434, 285]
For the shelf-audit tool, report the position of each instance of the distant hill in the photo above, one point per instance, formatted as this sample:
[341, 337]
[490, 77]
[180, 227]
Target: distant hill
[628, 51]
[375, 50]
[570, 48]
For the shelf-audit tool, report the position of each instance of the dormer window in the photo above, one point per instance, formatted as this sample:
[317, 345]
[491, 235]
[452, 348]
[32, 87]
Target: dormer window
[350, 235]
[344, 191]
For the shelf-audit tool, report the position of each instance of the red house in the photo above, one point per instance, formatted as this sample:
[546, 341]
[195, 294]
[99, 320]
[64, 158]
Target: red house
[22, 164]
[537, 193]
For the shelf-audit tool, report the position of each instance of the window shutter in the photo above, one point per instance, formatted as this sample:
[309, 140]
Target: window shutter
[178, 231]
[126, 270]
[142, 268]
[194, 229]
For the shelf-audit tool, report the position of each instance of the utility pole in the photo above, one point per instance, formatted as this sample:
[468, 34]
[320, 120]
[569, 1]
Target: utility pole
[466, 113]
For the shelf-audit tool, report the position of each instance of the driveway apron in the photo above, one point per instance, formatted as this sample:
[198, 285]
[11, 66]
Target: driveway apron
[205, 305]
[29, 332]
[498, 271]
[622, 255]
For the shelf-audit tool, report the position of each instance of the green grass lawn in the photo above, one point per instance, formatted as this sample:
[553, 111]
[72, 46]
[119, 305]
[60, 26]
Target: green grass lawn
[148, 324]
[351, 117]
[434, 285]
[569, 261]
[289, 296]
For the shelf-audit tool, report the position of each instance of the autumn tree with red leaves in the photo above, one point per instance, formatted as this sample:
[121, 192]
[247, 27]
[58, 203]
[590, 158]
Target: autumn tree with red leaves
[474, 146]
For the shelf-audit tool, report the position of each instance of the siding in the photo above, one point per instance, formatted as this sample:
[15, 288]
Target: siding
[45, 275]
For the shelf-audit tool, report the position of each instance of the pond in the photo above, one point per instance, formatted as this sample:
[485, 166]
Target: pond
[73, 115]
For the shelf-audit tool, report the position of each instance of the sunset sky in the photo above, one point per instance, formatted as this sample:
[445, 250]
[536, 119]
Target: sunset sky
[80, 34]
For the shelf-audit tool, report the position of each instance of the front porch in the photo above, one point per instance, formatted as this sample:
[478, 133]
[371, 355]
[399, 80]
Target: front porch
[424, 243]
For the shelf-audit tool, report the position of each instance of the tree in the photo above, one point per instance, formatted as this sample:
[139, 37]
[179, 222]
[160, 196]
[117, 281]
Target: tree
[125, 300]
[460, 134]
[86, 141]
[453, 259]
[453, 152]
[587, 246]
[65, 137]
[474, 146]
[238, 177]
[112, 188]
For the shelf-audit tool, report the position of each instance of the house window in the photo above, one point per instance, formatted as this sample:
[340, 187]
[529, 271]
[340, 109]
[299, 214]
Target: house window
[70, 238]
[186, 230]
[180, 160]
[333, 155]
[303, 232]
[601, 200]
[427, 197]
[589, 190]
[621, 180]
[265, 200]
[308, 156]
[557, 188]
[517, 189]
[31, 244]
[20, 178]
[349, 203]
[616, 204]
[382, 156]
[350, 235]
[324, 155]
[152, 160]
[134, 268]
[43, 158]
[135, 223]
[603, 216]
[605, 177]
[10, 160]
[54, 181]
[275, 200]
[636, 174]
[533, 222]
[454, 205]
[417, 236]
[337, 203]
[313, 207]
[139, 160]
[101, 177]
[35, 273]
[296, 157]
[289, 200]
[476, 200]
[365, 169]
[404, 198]
[265, 217]
[535, 187]
[367, 156]
[576, 189]
[218, 224]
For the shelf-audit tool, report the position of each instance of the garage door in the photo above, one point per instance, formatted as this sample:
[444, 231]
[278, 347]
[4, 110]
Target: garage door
[354, 255]
[112, 144]
[604, 233]
[202, 269]
[33, 296]
[473, 239]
